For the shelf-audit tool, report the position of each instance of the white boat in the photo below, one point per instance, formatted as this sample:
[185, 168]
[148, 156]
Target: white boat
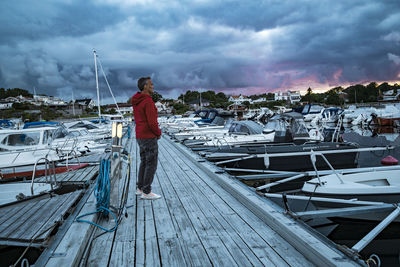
[103, 131]
[382, 186]
[26, 146]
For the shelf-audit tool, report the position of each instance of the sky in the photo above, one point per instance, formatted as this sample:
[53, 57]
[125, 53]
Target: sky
[235, 47]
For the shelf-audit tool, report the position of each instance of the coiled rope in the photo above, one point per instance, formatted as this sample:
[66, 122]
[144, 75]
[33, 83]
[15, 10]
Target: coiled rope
[102, 194]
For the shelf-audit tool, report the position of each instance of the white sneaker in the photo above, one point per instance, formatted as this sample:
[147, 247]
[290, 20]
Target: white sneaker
[139, 192]
[150, 196]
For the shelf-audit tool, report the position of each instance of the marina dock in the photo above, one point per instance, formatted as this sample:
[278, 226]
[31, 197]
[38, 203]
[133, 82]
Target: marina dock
[204, 218]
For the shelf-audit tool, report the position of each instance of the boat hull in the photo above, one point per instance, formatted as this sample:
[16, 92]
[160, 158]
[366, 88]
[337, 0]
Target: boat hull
[290, 163]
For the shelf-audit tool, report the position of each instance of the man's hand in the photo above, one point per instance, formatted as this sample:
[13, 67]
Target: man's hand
[158, 137]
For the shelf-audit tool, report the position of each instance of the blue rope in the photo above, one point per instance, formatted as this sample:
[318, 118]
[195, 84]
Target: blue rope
[102, 194]
[129, 132]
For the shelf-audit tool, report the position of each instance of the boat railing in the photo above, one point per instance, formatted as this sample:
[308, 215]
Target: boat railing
[46, 167]
[68, 149]
[336, 133]
[220, 143]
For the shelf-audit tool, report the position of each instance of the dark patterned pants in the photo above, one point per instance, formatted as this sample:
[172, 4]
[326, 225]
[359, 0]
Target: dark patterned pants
[148, 163]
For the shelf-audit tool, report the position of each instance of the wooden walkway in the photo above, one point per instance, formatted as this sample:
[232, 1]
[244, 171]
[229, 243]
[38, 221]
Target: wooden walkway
[202, 219]
[33, 220]
[94, 158]
[83, 175]
[195, 223]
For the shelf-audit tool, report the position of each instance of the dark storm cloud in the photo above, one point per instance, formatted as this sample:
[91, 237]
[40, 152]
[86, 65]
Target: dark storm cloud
[222, 45]
[21, 20]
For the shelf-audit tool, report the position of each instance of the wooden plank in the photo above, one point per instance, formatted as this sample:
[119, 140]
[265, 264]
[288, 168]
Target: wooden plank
[246, 248]
[314, 249]
[34, 223]
[19, 220]
[216, 249]
[8, 212]
[69, 252]
[140, 252]
[242, 255]
[123, 254]
[169, 244]
[283, 248]
[247, 222]
[87, 174]
[152, 257]
[59, 216]
[192, 247]
[94, 171]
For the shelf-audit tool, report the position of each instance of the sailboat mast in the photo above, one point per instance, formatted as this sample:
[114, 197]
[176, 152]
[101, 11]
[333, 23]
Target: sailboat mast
[97, 82]
[73, 103]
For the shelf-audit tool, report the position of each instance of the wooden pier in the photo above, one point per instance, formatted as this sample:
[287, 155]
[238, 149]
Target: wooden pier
[202, 219]
[80, 176]
[30, 222]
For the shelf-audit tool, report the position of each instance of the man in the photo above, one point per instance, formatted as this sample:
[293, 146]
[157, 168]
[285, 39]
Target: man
[147, 135]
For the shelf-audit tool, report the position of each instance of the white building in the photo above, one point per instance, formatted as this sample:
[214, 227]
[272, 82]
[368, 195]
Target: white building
[239, 99]
[290, 96]
[5, 105]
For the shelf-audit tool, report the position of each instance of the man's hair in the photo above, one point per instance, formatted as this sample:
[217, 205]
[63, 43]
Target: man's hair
[142, 82]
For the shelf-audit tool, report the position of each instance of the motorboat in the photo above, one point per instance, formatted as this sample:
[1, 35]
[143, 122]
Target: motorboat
[383, 186]
[103, 130]
[240, 132]
[389, 116]
[200, 117]
[310, 111]
[262, 157]
[26, 146]
[217, 128]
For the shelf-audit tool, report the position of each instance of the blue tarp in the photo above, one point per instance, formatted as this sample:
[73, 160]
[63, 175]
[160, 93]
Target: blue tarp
[6, 124]
[37, 124]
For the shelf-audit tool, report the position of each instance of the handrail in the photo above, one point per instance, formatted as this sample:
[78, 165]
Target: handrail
[47, 161]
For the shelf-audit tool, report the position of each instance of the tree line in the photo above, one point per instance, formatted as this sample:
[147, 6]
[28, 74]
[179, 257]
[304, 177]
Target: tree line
[14, 92]
[352, 94]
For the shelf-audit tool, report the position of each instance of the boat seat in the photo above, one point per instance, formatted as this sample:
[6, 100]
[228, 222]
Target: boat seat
[377, 182]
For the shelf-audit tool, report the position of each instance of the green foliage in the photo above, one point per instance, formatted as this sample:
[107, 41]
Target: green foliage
[216, 100]
[156, 96]
[180, 108]
[14, 92]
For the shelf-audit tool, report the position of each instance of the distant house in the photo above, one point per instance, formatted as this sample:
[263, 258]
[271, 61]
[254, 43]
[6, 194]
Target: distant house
[390, 97]
[124, 108]
[5, 105]
[289, 96]
[239, 99]
[196, 103]
[259, 100]
[86, 102]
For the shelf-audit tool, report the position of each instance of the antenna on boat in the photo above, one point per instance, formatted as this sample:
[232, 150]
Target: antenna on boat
[97, 81]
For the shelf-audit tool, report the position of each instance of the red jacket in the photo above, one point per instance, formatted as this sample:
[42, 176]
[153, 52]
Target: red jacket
[145, 113]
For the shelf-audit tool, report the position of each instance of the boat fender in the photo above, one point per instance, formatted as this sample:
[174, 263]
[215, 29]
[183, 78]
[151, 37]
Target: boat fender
[266, 161]
[389, 160]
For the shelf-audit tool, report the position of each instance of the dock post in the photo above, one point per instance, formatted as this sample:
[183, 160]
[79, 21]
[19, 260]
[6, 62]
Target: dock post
[115, 172]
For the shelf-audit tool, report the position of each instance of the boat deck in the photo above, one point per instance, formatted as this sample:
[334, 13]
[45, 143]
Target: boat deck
[197, 222]
[94, 158]
[30, 222]
[80, 176]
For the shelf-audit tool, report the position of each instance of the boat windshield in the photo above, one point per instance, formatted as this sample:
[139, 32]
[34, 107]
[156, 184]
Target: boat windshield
[238, 128]
[298, 127]
[22, 139]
